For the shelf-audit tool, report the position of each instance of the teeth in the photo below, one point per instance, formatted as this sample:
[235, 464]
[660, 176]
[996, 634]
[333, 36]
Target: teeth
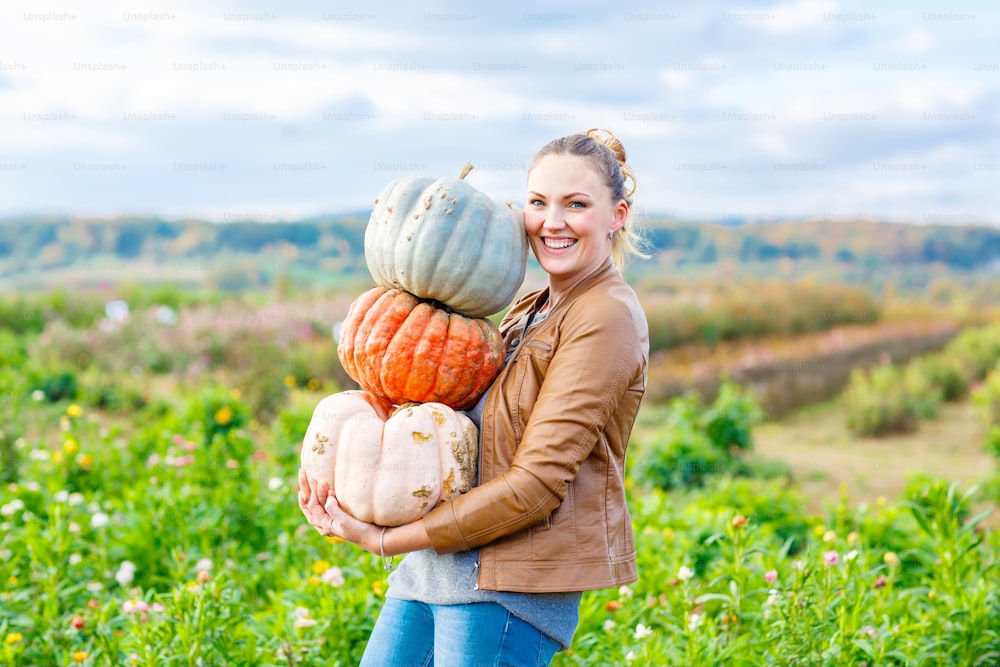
[559, 243]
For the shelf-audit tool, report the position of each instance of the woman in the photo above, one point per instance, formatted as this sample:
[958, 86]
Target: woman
[496, 575]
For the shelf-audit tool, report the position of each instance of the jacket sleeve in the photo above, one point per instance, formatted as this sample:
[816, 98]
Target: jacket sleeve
[601, 348]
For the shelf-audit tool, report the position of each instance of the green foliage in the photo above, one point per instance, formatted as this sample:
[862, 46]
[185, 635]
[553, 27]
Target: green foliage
[976, 350]
[986, 396]
[58, 385]
[696, 442]
[945, 372]
[877, 402]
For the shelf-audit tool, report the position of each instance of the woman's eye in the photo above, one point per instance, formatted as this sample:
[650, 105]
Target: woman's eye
[536, 202]
[577, 204]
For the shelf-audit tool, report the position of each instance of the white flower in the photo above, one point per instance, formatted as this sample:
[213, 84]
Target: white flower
[851, 555]
[685, 573]
[99, 520]
[13, 506]
[609, 625]
[204, 565]
[127, 565]
[333, 576]
[625, 592]
[6, 554]
[694, 621]
[302, 619]
[274, 483]
[75, 498]
[75, 559]
[124, 577]
[32, 486]
[95, 586]
[61, 496]
[630, 656]
[40, 455]
[73, 528]
[27, 516]
[641, 632]
[38, 395]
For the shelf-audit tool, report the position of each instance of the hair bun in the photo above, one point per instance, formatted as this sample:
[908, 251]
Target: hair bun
[611, 142]
[606, 138]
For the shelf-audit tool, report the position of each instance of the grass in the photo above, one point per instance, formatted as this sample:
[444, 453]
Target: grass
[824, 456]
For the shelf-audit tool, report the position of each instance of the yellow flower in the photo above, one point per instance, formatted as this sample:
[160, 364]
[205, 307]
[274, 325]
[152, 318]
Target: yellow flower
[14, 637]
[853, 537]
[12, 580]
[236, 394]
[378, 587]
[79, 656]
[931, 594]
[224, 415]
[57, 457]
[71, 446]
[290, 381]
[890, 559]
[819, 530]
[74, 411]
[668, 534]
[320, 566]
[333, 539]
[829, 536]
[313, 384]
[85, 461]
[314, 580]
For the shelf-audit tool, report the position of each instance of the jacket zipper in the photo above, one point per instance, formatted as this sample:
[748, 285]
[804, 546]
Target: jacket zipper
[475, 572]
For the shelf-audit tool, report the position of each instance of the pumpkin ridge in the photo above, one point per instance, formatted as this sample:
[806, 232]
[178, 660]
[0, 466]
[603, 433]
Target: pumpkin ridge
[384, 319]
[428, 355]
[450, 377]
[350, 334]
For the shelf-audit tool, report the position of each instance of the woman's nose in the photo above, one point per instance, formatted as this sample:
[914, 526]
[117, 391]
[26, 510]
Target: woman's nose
[554, 217]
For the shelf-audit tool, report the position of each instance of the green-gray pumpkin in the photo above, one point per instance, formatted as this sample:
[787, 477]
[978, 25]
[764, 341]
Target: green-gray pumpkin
[442, 239]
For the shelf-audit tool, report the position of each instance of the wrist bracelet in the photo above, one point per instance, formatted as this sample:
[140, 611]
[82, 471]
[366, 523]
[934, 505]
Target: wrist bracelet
[386, 562]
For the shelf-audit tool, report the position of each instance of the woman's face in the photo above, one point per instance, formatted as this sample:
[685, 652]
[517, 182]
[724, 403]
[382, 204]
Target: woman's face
[568, 216]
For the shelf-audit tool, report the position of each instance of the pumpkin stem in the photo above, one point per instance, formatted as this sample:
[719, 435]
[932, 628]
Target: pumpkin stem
[403, 406]
[465, 170]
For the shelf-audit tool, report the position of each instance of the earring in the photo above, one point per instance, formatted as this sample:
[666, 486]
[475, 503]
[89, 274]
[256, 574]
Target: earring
[611, 234]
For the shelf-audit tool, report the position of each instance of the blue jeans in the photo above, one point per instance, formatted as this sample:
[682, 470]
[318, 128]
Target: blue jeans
[480, 634]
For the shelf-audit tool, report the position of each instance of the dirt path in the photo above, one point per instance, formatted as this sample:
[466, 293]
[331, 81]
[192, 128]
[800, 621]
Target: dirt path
[822, 454]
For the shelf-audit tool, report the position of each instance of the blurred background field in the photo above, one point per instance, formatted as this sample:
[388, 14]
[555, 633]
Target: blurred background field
[800, 410]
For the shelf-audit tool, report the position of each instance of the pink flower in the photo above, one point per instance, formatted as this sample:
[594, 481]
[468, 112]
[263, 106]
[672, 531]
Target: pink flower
[831, 558]
[135, 607]
[771, 576]
[333, 576]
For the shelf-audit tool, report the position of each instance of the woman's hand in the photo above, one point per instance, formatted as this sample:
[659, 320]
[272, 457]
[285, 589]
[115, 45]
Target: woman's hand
[324, 514]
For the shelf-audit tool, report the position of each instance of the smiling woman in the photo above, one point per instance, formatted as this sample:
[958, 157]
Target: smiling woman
[496, 575]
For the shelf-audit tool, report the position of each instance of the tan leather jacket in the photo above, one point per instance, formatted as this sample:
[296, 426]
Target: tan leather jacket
[550, 512]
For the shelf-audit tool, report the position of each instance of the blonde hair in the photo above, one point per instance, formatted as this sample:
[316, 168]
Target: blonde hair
[606, 155]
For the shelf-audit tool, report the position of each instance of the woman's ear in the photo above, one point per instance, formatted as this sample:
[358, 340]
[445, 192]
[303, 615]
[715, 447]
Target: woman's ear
[620, 215]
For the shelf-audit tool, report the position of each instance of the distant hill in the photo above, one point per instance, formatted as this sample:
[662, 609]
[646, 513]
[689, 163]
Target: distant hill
[240, 254]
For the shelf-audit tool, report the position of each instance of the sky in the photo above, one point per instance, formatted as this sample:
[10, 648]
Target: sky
[276, 111]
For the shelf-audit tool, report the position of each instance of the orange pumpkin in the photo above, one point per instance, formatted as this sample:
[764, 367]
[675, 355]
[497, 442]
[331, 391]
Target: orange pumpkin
[404, 349]
[389, 467]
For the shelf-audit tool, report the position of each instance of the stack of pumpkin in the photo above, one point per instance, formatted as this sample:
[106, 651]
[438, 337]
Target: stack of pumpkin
[444, 257]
